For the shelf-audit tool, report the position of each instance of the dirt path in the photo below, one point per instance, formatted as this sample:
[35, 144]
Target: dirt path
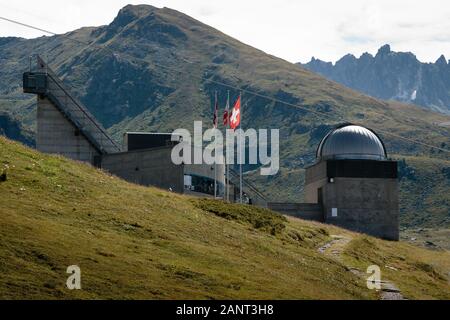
[335, 247]
[334, 250]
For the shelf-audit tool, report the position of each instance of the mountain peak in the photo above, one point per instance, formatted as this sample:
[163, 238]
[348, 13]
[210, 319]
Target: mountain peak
[137, 10]
[366, 55]
[314, 59]
[146, 22]
[441, 61]
[384, 50]
[130, 13]
[381, 75]
[317, 63]
[346, 59]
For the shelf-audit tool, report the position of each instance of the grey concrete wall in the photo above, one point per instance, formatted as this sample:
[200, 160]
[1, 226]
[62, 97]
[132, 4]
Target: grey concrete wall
[306, 211]
[56, 134]
[148, 167]
[364, 205]
[316, 172]
[315, 178]
[207, 171]
[311, 190]
[78, 113]
[367, 205]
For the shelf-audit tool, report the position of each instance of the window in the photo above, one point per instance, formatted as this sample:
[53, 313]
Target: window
[201, 184]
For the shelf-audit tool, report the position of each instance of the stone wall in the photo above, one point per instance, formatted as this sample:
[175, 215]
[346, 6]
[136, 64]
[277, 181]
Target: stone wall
[148, 167]
[364, 205]
[354, 198]
[315, 178]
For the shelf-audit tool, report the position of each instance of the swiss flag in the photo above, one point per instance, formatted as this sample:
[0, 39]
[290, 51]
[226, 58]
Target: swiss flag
[235, 117]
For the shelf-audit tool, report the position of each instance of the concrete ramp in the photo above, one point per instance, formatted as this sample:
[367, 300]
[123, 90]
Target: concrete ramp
[52, 92]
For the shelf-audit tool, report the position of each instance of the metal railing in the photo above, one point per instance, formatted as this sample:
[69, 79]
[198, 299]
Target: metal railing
[248, 187]
[76, 112]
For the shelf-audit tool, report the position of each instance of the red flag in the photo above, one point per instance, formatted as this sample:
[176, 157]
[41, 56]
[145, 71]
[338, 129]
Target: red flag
[225, 117]
[235, 118]
[216, 108]
[226, 113]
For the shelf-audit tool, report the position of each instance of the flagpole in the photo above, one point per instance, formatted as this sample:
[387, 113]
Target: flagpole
[240, 153]
[226, 153]
[215, 146]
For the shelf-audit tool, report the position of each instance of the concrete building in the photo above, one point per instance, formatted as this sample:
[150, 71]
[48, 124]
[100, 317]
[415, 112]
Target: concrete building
[146, 159]
[66, 127]
[351, 185]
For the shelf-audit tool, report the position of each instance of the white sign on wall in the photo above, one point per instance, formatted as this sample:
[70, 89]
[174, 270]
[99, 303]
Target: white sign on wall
[187, 180]
[334, 212]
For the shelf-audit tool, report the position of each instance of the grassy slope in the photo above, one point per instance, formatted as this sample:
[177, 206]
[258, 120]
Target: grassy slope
[433, 238]
[432, 193]
[136, 242]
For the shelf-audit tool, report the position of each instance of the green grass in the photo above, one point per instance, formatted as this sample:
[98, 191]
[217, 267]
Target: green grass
[258, 218]
[404, 265]
[134, 242]
[430, 238]
[427, 179]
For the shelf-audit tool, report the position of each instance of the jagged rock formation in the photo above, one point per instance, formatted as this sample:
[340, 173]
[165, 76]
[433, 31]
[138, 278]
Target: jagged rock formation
[392, 75]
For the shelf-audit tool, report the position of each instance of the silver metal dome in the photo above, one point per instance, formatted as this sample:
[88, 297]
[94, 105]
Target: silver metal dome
[351, 142]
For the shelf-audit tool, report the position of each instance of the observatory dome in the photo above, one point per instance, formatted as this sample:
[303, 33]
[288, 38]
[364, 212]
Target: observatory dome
[351, 142]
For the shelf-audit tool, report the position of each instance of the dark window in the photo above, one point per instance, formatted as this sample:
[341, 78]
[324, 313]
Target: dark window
[203, 185]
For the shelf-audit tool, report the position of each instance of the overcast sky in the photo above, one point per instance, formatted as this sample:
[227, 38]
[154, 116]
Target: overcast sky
[294, 30]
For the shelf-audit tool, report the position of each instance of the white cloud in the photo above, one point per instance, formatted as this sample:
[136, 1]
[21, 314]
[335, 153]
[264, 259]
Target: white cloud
[293, 30]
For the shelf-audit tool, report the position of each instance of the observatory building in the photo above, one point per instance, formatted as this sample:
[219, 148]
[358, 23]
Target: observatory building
[352, 184]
